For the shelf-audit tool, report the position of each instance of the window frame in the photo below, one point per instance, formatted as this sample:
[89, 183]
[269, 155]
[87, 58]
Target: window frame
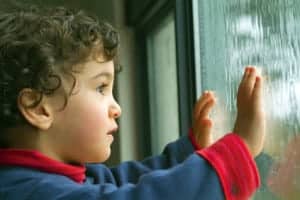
[145, 18]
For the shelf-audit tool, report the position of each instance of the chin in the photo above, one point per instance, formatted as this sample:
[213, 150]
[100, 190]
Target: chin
[99, 157]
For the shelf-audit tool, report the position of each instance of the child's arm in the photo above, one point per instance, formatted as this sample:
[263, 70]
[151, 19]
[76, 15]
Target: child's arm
[231, 156]
[225, 170]
[175, 152]
[249, 132]
[235, 178]
[249, 96]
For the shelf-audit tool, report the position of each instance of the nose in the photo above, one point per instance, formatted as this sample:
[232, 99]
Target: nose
[115, 110]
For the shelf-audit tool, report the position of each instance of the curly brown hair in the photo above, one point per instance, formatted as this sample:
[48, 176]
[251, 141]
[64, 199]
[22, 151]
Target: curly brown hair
[38, 46]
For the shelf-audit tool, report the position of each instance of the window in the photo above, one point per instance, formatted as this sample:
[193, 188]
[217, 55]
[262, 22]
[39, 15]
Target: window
[234, 33]
[165, 71]
[163, 91]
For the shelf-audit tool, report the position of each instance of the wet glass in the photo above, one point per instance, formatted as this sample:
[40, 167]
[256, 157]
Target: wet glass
[232, 34]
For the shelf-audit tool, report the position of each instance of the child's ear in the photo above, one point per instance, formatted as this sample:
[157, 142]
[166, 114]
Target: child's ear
[40, 115]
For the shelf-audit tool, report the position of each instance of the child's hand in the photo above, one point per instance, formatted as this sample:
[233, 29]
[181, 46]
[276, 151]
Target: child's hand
[250, 122]
[202, 124]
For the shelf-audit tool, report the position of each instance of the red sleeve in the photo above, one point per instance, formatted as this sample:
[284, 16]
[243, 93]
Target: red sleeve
[193, 140]
[235, 167]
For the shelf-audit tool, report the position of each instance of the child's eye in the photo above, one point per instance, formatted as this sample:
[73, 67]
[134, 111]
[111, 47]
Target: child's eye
[102, 88]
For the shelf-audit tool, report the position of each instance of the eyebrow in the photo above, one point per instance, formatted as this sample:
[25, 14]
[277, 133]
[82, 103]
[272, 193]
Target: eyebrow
[103, 74]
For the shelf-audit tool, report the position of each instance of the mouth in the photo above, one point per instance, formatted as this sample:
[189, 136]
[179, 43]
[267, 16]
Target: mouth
[113, 131]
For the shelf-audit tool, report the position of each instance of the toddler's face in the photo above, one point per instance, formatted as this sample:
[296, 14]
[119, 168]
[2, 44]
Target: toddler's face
[83, 130]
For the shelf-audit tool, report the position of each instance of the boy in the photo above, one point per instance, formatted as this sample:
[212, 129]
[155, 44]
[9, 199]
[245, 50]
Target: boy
[58, 117]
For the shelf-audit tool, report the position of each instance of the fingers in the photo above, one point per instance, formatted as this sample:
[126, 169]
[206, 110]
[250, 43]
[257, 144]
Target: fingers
[248, 82]
[202, 124]
[200, 103]
[207, 108]
[250, 88]
[250, 122]
[257, 90]
[204, 105]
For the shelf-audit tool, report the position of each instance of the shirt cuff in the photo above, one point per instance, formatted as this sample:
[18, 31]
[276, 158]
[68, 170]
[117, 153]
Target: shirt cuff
[234, 165]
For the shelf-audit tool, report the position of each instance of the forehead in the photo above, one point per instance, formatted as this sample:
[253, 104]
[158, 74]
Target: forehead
[94, 67]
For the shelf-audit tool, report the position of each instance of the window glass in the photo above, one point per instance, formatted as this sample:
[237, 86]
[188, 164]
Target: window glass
[162, 74]
[232, 34]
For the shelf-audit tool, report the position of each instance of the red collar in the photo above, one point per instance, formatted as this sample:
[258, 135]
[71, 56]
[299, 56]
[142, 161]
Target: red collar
[36, 160]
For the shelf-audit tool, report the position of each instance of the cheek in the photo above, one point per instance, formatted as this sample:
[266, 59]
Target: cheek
[92, 118]
[86, 114]
[91, 136]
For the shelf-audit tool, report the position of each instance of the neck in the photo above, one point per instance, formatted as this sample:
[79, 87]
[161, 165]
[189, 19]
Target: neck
[24, 137]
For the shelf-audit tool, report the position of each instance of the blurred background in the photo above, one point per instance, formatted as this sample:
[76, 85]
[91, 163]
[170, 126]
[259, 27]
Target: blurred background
[173, 50]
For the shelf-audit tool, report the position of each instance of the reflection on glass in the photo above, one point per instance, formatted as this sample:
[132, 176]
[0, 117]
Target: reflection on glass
[266, 33]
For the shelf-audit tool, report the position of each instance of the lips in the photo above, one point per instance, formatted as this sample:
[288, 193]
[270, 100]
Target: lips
[112, 131]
